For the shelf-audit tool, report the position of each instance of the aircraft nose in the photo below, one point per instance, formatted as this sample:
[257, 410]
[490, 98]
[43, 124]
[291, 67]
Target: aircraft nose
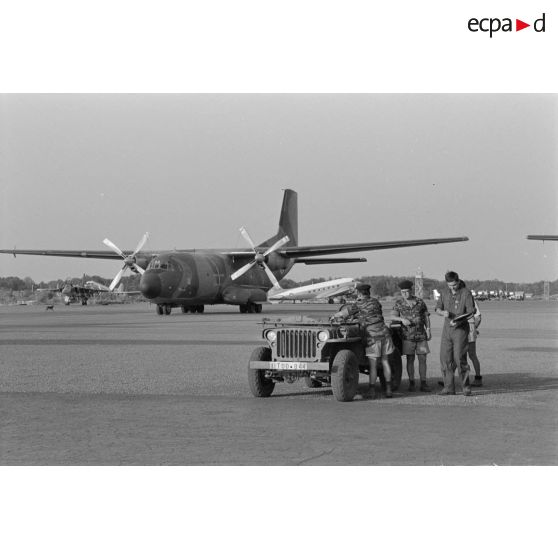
[150, 285]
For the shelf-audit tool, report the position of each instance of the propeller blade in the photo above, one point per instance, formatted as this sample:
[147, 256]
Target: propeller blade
[116, 280]
[272, 277]
[140, 244]
[246, 236]
[139, 269]
[113, 247]
[242, 270]
[278, 244]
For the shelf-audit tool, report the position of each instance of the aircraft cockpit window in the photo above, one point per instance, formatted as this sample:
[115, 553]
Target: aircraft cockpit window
[158, 264]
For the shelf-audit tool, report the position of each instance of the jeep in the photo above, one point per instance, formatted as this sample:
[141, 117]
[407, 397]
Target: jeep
[321, 353]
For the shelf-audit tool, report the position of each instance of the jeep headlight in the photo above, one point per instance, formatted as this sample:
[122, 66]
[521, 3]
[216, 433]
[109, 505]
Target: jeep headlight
[323, 336]
[271, 336]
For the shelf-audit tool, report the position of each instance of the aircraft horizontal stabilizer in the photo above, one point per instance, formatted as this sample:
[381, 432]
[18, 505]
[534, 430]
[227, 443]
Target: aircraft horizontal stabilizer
[542, 237]
[306, 251]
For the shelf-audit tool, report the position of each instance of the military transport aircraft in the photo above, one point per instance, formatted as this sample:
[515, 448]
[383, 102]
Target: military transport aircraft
[192, 278]
[326, 290]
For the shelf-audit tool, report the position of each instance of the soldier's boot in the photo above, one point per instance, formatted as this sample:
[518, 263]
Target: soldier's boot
[388, 390]
[465, 384]
[411, 385]
[424, 386]
[477, 382]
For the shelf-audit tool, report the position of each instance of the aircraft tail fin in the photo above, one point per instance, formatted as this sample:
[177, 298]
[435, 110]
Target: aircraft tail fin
[288, 220]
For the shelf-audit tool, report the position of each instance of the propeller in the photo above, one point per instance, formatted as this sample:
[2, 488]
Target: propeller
[129, 261]
[259, 257]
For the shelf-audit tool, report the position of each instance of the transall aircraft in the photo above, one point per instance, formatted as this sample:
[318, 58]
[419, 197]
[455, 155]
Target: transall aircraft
[190, 279]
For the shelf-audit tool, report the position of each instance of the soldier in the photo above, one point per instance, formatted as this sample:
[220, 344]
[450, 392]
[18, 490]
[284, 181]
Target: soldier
[474, 323]
[379, 344]
[456, 306]
[414, 317]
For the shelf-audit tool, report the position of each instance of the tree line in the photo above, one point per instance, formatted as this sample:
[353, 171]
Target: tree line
[382, 285]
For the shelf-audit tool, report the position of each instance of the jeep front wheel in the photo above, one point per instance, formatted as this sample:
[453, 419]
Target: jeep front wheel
[260, 386]
[344, 375]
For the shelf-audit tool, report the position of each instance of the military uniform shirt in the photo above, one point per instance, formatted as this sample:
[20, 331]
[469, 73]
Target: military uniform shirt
[417, 314]
[368, 311]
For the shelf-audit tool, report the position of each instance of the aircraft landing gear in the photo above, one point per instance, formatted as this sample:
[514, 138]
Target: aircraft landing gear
[164, 309]
[250, 308]
[199, 308]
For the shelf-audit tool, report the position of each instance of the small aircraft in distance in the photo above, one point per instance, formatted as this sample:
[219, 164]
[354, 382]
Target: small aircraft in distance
[189, 279]
[74, 293]
[326, 290]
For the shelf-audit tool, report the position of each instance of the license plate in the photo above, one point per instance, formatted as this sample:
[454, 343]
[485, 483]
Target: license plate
[288, 366]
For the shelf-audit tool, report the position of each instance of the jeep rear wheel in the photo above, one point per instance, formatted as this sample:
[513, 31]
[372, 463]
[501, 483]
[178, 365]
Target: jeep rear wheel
[260, 386]
[396, 366]
[344, 375]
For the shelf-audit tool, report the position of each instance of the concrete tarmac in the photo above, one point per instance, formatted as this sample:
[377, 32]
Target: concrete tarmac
[107, 385]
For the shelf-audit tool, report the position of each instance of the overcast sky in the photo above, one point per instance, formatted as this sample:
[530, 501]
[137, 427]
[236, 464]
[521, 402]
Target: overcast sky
[192, 169]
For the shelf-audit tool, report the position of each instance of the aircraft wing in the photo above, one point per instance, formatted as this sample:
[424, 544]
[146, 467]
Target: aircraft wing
[345, 289]
[326, 249]
[542, 237]
[317, 261]
[98, 254]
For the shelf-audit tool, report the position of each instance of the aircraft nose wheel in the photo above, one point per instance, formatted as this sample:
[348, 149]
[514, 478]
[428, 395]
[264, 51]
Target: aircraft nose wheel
[250, 308]
[164, 309]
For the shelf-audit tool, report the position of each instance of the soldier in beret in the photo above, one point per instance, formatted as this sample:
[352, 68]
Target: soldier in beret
[379, 344]
[414, 317]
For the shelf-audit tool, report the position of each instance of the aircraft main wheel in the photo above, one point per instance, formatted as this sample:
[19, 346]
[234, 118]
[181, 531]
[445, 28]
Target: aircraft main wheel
[344, 375]
[200, 309]
[185, 309]
[260, 386]
[243, 308]
[160, 309]
[168, 309]
[258, 308]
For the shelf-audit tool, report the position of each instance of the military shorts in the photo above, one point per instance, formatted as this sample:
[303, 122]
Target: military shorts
[415, 347]
[378, 347]
[472, 334]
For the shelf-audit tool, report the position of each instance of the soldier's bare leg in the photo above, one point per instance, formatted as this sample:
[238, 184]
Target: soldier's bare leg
[411, 371]
[372, 377]
[387, 374]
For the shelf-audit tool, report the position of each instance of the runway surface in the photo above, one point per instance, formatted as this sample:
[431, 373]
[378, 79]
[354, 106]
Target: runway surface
[105, 385]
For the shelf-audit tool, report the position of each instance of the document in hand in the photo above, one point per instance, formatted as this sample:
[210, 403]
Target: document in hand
[463, 316]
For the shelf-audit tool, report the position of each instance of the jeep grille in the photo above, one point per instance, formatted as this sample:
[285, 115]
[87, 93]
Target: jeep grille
[296, 343]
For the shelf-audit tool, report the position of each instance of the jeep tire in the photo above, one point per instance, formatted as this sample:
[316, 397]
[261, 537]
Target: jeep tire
[396, 365]
[260, 386]
[344, 375]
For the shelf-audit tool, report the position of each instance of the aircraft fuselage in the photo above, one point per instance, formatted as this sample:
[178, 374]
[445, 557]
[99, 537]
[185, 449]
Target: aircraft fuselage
[191, 279]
